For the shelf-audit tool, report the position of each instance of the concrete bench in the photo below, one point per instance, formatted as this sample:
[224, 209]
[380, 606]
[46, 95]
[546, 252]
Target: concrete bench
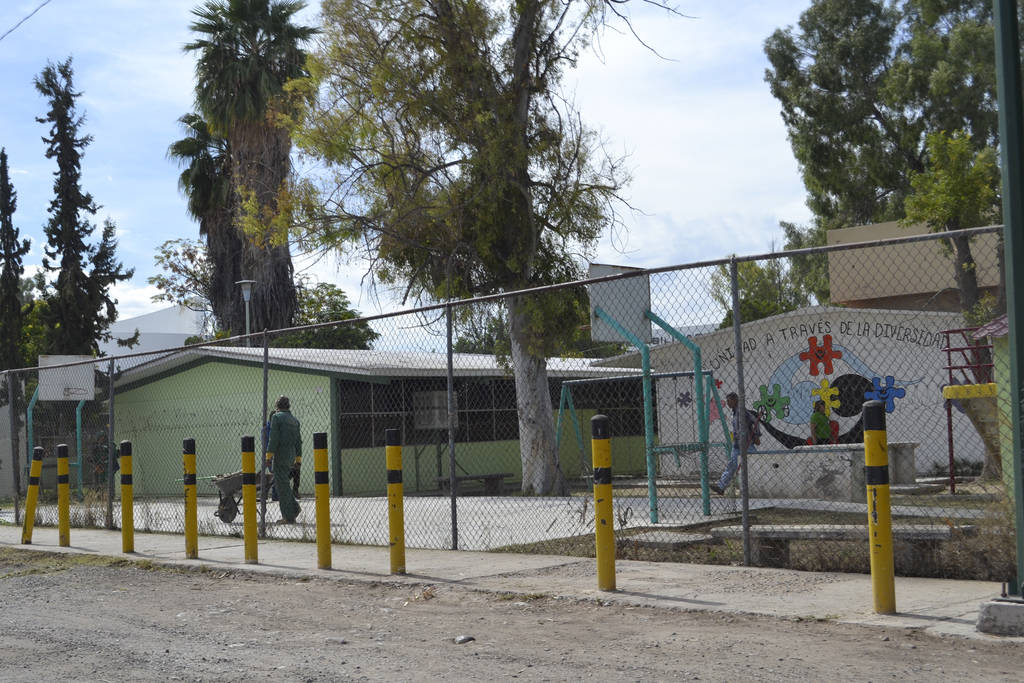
[823, 472]
[494, 483]
[769, 544]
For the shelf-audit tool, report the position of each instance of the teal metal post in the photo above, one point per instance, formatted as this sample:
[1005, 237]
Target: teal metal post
[565, 403]
[1011, 146]
[702, 421]
[645, 361]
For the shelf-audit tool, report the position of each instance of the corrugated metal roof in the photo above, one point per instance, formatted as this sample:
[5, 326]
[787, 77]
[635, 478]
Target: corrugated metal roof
[366, 363]
[1000, 327]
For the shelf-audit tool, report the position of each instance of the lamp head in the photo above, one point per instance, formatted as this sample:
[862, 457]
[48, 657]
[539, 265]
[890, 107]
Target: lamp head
[246, 289]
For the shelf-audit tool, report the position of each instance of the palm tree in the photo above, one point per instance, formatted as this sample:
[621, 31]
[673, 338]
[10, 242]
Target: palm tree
[206, 181]
[247, 50]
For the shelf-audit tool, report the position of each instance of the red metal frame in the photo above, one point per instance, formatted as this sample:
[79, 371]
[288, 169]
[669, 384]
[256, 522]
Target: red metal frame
[981, 373]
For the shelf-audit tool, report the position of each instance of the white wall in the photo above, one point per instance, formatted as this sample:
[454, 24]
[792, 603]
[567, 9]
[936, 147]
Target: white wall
[874, 344]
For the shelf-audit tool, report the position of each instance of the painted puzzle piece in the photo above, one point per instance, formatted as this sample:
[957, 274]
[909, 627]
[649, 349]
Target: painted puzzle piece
[820, 355]
[888, 393]
[774, 403]
[829, 394]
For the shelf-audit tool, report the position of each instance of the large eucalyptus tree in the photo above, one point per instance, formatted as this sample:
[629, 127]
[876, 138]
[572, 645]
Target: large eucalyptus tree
[463, 166]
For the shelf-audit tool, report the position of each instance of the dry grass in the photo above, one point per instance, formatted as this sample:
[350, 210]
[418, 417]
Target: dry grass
[988, 553]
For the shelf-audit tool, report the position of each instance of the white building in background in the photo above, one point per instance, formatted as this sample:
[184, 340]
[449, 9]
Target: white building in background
[167, 328]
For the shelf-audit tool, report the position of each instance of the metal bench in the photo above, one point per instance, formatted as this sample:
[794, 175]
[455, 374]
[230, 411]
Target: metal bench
[769, 544]
[494, 483]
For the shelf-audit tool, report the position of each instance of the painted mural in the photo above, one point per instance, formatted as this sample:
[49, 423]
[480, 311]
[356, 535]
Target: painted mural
[842, 357]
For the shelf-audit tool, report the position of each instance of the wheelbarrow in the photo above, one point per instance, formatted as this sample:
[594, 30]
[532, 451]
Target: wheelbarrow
[229, 488]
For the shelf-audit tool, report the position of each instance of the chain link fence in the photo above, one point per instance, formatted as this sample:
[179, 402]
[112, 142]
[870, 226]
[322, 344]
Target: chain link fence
[493, 409]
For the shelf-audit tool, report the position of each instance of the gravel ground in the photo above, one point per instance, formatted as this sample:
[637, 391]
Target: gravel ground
[88, 618]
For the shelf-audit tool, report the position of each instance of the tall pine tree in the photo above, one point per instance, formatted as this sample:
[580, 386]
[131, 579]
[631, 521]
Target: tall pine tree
[11, 251]
[80, 310]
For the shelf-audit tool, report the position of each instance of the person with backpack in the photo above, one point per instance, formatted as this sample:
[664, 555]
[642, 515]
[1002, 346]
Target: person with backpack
[746, 435]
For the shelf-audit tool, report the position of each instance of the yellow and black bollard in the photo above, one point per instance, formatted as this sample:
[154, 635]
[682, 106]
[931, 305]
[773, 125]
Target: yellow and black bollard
[323, 501]
[876, 477]
[63, 497]
[249, 498]
[604, 517]
[396, 506]
[127, 500]
[188, 455]
[34, 471]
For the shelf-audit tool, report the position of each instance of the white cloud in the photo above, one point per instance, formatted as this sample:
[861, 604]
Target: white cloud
[133, 300]
[712, 168]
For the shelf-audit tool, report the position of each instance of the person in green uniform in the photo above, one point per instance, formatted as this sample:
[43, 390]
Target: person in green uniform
[284, 446]
[820, 430]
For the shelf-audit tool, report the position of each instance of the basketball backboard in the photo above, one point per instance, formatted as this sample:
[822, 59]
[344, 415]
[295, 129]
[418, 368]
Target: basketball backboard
[626, 300]
[71, 383]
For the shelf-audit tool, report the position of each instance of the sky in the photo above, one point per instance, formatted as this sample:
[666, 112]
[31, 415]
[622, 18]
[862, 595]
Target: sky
[712, 170]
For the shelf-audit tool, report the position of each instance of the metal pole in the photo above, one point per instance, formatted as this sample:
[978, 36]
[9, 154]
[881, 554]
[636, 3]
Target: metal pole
[127, 499]
[645, 366]
[604, 509]
[12, 414]
[396, 503]
[78, 445]
[188, 462]
[451, 430]
[700, 399]
[741, 421]
[876, 477]
[322, 494]
[109, 522]
[30, 441]
[1011, 146]
[249, 500]
[263, 446]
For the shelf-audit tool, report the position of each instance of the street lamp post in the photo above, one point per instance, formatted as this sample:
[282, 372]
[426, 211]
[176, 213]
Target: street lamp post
[247, 296]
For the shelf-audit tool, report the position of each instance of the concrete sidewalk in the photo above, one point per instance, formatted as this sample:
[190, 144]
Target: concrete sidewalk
[934, 605]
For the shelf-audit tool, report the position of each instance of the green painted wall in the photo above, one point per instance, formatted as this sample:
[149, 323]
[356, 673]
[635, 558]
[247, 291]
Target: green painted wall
[215, 403]
[362, 469]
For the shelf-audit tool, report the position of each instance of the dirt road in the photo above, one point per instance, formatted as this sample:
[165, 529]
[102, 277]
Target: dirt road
[88, 618]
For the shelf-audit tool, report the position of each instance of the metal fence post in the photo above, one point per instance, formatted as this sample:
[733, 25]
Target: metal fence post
[109, 521]
[263, 446]
[741, 414]
[1011, 115]
[15, 466]
[452, 482]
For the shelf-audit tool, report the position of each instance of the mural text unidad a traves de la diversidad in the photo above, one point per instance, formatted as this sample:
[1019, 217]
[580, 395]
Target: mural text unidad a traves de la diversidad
[799, 332]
